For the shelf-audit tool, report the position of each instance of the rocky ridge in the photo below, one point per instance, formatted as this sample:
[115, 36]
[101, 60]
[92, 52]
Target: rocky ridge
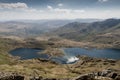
[108, 74]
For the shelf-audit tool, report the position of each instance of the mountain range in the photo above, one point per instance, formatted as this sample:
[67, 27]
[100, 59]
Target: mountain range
[30, 28]
[106, 31]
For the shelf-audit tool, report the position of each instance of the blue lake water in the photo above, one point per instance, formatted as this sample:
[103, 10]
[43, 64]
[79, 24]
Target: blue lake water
[28, 53]
[99, 53]
[70, 54]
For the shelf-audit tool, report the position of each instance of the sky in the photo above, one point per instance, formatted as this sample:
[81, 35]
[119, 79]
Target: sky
[59, 9]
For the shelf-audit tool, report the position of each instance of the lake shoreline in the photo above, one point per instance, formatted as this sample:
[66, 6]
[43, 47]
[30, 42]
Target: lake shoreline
[48, 69]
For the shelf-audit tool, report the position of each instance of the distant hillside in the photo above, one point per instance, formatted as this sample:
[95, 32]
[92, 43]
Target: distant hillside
[30, 28]
[19, 28]
[107, 31]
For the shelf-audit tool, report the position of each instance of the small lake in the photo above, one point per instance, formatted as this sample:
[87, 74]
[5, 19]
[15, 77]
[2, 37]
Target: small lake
[70, 54]
[99, 53]
[28, 53]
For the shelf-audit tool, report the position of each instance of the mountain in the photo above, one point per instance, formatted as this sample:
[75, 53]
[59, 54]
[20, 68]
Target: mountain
[19, 28]
[30, 28]
[107, 31]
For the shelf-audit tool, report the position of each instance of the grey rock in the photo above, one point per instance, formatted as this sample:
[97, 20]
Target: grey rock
[112, 75]
[10, 76]
[83, 77]
[117, 77]
[36, 78]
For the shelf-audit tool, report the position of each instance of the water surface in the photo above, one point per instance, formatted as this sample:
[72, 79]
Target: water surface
[99, 53]
[69, 54]
[28, 53]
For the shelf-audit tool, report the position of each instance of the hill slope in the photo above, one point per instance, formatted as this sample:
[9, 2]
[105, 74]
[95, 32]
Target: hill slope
[107, 31]
[30, 28]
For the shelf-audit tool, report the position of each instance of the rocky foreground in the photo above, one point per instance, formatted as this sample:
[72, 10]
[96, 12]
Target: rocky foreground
[108, 74]
[96, 73]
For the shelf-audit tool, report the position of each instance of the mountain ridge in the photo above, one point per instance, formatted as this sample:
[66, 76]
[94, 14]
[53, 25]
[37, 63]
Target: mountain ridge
[106, 31]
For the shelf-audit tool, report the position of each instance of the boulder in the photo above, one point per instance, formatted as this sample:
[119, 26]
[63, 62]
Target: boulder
[104, 73]
[36, 78]
[83, 77]
[112, 75]
[10, 76]
[117, 77]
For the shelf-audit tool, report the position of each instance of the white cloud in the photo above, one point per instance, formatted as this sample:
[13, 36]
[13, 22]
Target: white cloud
[49, 7]
[50, 12]
[18, 7]
[107, 11]
[79, 11]
[60, 4]
[68, 11]
[32, 10]
[8, 15]
[103, 0]
[62, 10]
[13, 5]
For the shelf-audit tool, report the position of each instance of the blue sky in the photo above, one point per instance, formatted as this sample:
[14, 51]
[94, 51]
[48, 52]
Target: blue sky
[59, 9]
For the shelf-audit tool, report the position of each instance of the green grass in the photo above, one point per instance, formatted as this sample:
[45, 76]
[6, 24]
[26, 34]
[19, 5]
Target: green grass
[45, 69]
[4, 59]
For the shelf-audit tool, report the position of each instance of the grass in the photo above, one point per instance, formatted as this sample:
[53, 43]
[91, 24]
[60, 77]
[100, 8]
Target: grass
[53, 51]
[5, 47]
[47, 69]
[27, 67]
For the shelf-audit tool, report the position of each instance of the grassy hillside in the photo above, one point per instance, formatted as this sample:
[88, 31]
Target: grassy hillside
[97, 34]
[46, 68]
[107, 31]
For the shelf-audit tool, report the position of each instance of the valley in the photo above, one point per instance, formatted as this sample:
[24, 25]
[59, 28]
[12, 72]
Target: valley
[88, 36]
[59, 39]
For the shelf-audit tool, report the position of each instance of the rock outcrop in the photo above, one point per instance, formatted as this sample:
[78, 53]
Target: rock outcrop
[108, 74]
[10, 76]
[84, 77]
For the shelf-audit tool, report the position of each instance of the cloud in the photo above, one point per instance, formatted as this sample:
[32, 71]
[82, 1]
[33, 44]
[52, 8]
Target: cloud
[103, 0]
[64, 10]
[79, 11]
[25, 12]
[29, 10]
[68, 10]
[50, 7]
[60, 4]
[17, 5]
[73, 14]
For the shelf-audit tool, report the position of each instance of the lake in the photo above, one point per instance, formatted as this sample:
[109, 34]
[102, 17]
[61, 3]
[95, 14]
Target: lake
[99, 53]
[70, 54]
[28, 53]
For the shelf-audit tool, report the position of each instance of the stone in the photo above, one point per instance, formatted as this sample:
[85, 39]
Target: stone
[10, 76]
[104, 73]
[50, 79]
[83, 77]
[117, 77]
[112, 75]
[36, 78]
